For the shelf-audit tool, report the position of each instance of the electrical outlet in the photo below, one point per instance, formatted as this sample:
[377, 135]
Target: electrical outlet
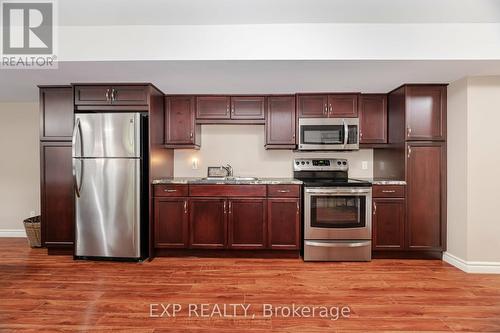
[194, 163]
[364, 165]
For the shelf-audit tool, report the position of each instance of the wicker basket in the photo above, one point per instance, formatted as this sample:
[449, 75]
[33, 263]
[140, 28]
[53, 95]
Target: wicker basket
[32, 227]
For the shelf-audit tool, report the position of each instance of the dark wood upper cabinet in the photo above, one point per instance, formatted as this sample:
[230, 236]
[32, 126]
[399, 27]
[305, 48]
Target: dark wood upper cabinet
[343, 105]
[57, 205]
[208, 223]
[180, 127]
[417, 112]
[373, 118]
[333, 105]
[283, 221]
[425, 112]
[213, 107]
[56, 113]
[281, 122]
[248, 107]
[312, 106]
[247, 223]
[171, 222]
[111, 95]
[388, 224]
[426, 195]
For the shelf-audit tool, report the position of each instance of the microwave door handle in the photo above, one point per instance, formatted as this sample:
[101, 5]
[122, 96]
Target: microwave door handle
[346, 132]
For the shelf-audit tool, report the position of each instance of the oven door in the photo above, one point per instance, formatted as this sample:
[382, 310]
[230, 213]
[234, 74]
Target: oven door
[337, 213]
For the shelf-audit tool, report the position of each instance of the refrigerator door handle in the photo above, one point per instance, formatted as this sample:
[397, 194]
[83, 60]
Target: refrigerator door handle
[78, 187]
[76, 131]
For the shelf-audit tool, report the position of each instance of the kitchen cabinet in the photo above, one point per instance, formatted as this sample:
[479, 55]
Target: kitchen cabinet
[281, 122]
[57, 198]
[171, 222]
[111, 95]
[283, 220]
[208, 223]
[213, 107]
[323, 106]
[417, 112]
[181, 130]
[247, 107]
[56, 113]
[373, 118]
[426, 195]
[247, 223]
[388, 224]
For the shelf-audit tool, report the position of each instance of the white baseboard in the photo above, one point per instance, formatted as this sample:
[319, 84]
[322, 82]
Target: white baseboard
[485, 267]
[12, 233]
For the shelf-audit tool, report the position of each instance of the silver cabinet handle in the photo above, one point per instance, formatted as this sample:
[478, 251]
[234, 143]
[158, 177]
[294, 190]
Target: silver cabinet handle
[185, 207]
[331, 110]
[232, 110]
[409, 151]
[107, 94]
[388, 191]
[283, 191]
[408, 129]
[325, 111]
[227, 109]
[225, 207]
[298, 208]
[230, 208]
[374, 208]
[191, 135]
[113, 94]
[169, 190]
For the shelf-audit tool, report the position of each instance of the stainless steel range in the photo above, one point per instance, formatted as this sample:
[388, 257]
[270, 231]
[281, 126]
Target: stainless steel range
[337, 211]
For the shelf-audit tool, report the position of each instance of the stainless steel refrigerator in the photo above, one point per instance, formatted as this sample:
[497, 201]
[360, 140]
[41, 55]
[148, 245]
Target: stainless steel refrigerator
[108, 168]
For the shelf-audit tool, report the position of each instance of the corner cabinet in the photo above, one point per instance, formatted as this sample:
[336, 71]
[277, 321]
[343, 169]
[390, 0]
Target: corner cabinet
[426, 196]
[281, 122]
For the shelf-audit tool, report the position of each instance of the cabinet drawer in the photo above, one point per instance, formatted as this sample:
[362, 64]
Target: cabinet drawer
[283, 191]
[227, 190]
[170, 190]
[388, 191]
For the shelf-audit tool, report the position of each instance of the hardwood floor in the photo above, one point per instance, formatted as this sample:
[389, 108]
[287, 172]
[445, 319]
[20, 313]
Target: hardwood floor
[40, 293]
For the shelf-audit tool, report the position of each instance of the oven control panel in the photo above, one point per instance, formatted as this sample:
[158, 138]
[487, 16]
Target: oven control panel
[320, 164]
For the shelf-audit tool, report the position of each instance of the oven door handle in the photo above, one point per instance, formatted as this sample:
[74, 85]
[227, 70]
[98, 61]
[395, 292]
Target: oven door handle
[338, 192]
[331, 244]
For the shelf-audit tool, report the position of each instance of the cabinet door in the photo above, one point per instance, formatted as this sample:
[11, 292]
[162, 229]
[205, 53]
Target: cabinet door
[179, 120]
[343, 105]
[312, 106]
[283, 220]
[207, 223]
[373, 118]
[247, 223]
[388, 223]
[171, 222]
[280, 124]
[426, 186]
[56, 113]
[57, 199]
[92, 95]
[213, 107]
[425, 112]
[247, 107]
[129, 95]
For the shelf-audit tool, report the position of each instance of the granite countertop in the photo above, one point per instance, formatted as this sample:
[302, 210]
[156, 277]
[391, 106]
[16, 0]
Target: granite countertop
[384, 181]
[196, 180]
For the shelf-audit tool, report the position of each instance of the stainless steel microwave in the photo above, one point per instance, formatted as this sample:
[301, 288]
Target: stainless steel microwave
[328, 133]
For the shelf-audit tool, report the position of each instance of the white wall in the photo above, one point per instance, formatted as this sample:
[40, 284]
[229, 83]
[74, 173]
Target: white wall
[242, 146]
[19, 164]
[473, 163]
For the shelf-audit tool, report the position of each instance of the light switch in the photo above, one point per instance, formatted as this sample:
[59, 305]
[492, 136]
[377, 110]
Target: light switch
[194, 163]
[364, 165]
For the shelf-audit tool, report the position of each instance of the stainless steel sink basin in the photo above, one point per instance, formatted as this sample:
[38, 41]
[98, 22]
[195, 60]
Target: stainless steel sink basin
[225, 179]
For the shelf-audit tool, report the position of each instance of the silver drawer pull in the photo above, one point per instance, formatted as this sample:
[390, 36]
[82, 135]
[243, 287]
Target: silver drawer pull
[169, 190]
[284, 191]
[388, 191]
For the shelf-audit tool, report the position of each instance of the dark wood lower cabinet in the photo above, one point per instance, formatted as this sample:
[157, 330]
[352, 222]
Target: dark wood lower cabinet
[247, 223]
[283, 220]
[388, 224]
[171, 222]
[57, 194]
[207, 223]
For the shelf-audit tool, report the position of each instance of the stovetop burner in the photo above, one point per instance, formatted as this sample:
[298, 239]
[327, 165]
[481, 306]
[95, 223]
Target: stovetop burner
[325, 173]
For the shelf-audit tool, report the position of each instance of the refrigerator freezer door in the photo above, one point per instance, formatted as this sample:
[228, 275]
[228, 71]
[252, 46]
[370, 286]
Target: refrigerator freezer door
[108, 207]
[106, 135]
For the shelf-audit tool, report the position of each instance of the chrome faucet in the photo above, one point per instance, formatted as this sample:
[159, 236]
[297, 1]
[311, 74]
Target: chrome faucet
[229, 170]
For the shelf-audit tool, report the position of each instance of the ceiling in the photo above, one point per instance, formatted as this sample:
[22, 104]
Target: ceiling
[199, 12]
[235, 77]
